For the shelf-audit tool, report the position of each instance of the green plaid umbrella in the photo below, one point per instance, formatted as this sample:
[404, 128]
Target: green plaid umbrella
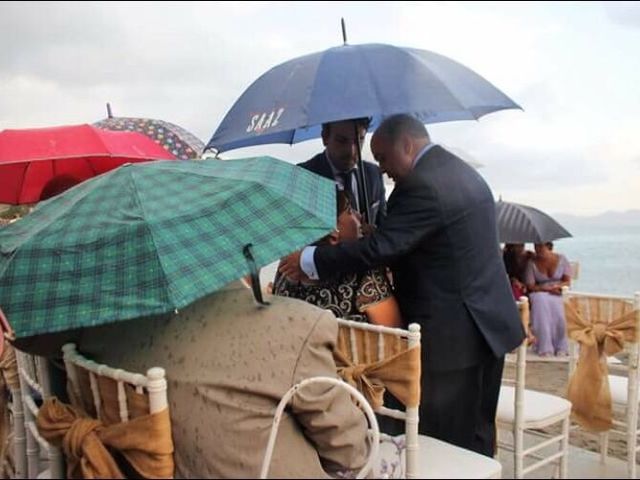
[149, 238]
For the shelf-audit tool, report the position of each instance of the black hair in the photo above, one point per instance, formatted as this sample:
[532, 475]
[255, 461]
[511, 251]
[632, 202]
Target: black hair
[362, 122]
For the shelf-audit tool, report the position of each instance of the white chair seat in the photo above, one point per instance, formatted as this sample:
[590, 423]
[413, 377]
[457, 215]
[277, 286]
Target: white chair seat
[619, 386]
[539, 408]
[438, 459]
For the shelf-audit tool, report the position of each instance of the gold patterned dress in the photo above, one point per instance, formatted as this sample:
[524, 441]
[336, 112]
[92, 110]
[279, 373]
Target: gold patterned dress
[347, 296]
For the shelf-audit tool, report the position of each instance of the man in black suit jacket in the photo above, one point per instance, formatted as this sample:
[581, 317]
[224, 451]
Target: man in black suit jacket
[339, 159]
[440, 239]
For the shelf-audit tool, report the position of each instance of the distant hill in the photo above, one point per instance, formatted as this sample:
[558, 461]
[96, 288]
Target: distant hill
[606, 219]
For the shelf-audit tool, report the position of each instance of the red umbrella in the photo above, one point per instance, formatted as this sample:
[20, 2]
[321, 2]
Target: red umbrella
[37, 159]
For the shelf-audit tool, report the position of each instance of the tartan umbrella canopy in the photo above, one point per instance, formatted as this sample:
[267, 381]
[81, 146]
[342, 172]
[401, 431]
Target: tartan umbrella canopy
[149, 238]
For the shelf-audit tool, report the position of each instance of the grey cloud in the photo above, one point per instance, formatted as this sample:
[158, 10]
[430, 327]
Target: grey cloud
[538, 169]
[134, 55]
[508, 166]
[623, 13]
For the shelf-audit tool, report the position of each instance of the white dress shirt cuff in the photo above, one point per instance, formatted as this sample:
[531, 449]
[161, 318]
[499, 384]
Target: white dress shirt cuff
[307, 264]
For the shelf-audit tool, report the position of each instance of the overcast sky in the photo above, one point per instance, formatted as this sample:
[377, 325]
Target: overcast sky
[573, 67]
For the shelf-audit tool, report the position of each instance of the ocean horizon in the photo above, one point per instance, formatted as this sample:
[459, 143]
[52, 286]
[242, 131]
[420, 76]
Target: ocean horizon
[608, 256]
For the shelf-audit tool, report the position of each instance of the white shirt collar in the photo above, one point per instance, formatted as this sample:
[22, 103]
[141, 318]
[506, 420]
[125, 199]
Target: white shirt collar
[422, 151]
[334, 170]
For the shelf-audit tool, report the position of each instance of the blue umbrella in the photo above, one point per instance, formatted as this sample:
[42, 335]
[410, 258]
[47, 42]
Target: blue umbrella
[289, 103]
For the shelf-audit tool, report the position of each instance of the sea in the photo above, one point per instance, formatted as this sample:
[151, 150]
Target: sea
[609, 257]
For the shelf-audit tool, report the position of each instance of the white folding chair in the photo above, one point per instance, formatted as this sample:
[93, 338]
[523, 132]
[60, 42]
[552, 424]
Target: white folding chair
[605, 309]
[14, 454]
[87, 394]
[43, 459]
[18, 436]
[362, 402]
[418, 456]
[523, 411]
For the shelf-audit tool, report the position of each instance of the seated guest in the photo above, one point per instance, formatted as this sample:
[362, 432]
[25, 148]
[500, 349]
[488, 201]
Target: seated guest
[228, 364]
[515, 259]
[365, 296]
[546, 274]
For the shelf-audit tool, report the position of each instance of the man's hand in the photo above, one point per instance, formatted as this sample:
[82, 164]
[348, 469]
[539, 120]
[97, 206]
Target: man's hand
[290, 267]
[555, 290]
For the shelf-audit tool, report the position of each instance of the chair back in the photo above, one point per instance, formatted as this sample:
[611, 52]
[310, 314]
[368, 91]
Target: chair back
[106, 383]
[605, 310]
[518, 358]
[35, 387]
[368, 347]
[523, 410]
[362, 402]
[115, 395]
[13, 453]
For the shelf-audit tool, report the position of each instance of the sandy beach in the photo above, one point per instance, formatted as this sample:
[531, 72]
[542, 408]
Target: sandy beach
[551, 376]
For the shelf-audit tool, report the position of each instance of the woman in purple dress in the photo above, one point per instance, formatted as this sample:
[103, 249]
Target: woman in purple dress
[546, 274]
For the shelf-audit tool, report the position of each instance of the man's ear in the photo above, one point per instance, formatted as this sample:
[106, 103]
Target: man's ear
[325, 136]
[334, 237]
[407, 145]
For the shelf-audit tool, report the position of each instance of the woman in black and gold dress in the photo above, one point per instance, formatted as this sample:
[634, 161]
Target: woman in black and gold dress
[366, 296]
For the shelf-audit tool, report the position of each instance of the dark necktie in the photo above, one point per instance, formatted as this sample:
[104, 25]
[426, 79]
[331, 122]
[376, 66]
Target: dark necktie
[348, 187]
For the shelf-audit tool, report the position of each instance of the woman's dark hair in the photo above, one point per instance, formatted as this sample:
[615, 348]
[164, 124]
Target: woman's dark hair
[363, 122]
[342, 205]
[514, 264]
[342, 202]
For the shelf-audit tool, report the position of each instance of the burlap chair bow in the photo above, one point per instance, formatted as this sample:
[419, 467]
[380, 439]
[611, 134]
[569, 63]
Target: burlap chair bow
[398, 373]
[144, 441]
[589, 390]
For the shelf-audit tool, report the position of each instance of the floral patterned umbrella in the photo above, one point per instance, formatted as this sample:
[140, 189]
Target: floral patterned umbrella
[181, 143]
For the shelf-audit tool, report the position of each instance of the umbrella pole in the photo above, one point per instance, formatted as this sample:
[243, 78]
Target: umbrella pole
[344, 31]
[363, 195]
[255, 276]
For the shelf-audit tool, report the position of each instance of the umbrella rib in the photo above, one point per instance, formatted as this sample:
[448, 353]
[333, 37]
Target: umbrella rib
[443, 83]
[152, 236]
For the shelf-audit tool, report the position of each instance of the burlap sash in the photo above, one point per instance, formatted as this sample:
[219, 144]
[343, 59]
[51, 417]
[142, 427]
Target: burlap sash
[589, 390]
[144, 441]
[400, 373]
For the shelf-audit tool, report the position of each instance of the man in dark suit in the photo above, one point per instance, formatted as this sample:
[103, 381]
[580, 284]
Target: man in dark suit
[440, 239]
[338, 162]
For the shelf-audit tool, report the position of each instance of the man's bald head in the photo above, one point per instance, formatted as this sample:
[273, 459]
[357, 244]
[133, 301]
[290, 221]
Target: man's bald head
[395, 144]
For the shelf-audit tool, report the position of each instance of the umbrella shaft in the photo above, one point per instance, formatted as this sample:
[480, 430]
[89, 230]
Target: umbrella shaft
[363, 194]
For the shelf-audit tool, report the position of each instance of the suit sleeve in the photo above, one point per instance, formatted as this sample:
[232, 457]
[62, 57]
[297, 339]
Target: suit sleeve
[336, 427]
[413, 215]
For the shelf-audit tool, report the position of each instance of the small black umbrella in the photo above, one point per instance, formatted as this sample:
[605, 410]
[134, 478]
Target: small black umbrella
[521, 224]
